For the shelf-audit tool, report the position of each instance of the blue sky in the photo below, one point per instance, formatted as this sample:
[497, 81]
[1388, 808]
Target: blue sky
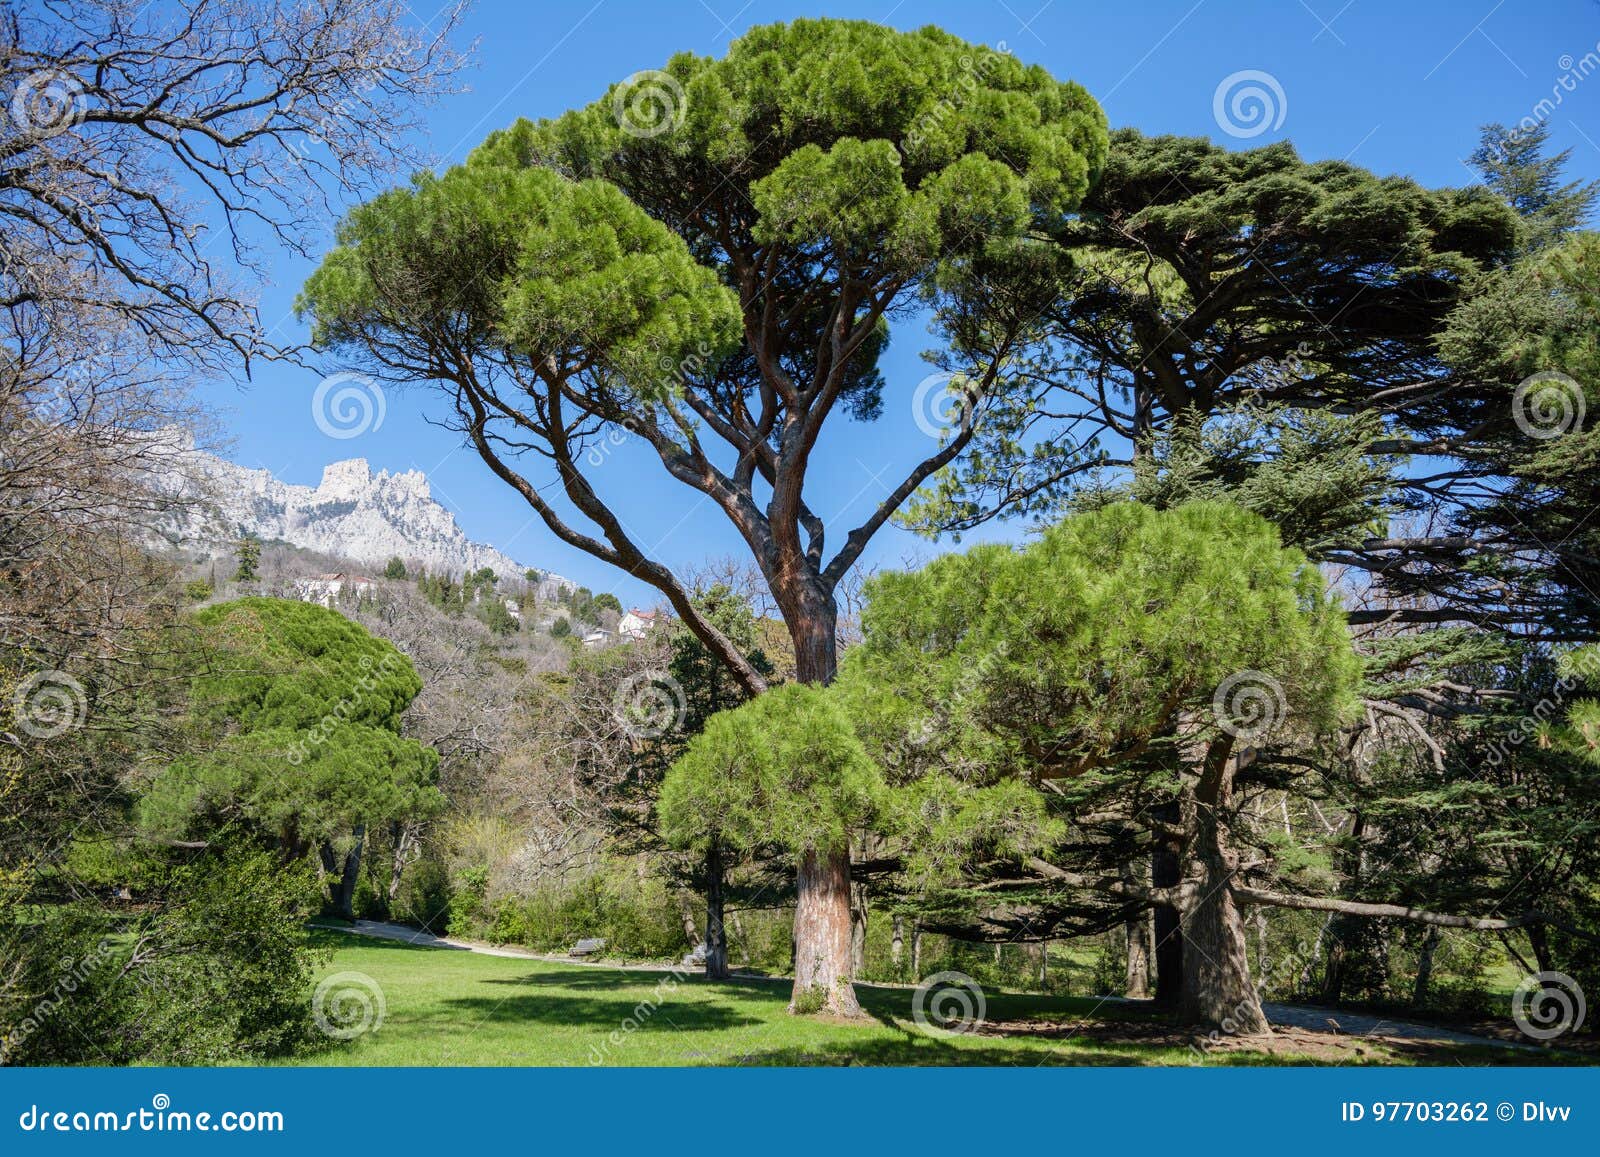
[1399, 86]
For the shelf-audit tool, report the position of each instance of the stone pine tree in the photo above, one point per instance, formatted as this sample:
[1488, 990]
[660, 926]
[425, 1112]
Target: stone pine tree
[705, 261]
[296, 716]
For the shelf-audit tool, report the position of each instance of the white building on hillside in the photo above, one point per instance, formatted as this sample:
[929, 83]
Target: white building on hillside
[636, 624]
[326, 589]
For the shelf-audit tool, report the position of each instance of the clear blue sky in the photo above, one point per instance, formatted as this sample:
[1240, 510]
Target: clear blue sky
[1399, 86]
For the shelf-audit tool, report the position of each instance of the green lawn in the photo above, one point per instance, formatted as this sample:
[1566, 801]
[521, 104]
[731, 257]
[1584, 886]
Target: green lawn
[446, 1007]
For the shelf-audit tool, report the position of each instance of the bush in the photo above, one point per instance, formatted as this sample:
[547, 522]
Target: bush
[53, 1008]
[233, 959]
[636, 920]
[467, 912]
[425, 896]
[221, 974]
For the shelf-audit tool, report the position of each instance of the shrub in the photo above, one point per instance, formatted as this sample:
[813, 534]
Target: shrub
[221, 974]
[425, 895]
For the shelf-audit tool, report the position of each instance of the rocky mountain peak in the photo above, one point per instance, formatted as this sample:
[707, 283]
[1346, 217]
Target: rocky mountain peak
[352, 513]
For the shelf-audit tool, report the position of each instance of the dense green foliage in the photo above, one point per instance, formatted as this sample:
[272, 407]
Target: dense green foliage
[786, 769]
[1075, 655]
[298, 714]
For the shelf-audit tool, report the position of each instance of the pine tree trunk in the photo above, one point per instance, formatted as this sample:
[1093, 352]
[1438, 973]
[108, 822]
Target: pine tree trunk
[822, 917]
[344, 891]
[822, 934]
[1217, 989]
[916, 951]
[897, 941]
[716, 930]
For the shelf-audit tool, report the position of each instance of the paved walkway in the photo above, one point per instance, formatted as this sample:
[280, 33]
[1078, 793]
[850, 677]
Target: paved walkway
[1361, 1024]
[407, 935]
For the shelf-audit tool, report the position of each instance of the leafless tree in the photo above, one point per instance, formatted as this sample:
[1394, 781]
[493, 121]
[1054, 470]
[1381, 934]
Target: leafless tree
[147, 150]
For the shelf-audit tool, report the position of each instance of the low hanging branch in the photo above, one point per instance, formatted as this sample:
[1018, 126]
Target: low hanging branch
[1402, 912]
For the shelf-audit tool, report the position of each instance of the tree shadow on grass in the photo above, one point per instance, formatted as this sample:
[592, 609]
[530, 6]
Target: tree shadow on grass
[919, 1051]
[340, 939]
[608, 980]
[600, 1015]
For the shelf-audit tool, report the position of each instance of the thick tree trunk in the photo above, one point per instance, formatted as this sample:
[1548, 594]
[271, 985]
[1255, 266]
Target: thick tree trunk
[716, 930]
[897, 941]
[822, 916]
[1217, 989]
[822, 935]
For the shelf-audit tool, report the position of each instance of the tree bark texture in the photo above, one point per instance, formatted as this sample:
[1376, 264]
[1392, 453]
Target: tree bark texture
[822, 935]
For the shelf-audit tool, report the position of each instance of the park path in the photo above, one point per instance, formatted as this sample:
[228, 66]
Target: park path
[1319, 1020]
[1361, 1024]
[379, 930]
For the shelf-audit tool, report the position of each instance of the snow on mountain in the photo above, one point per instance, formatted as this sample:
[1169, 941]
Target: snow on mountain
[353, 513]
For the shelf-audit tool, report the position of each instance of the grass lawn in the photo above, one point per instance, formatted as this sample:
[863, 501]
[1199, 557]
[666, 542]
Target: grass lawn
[446, 1007]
